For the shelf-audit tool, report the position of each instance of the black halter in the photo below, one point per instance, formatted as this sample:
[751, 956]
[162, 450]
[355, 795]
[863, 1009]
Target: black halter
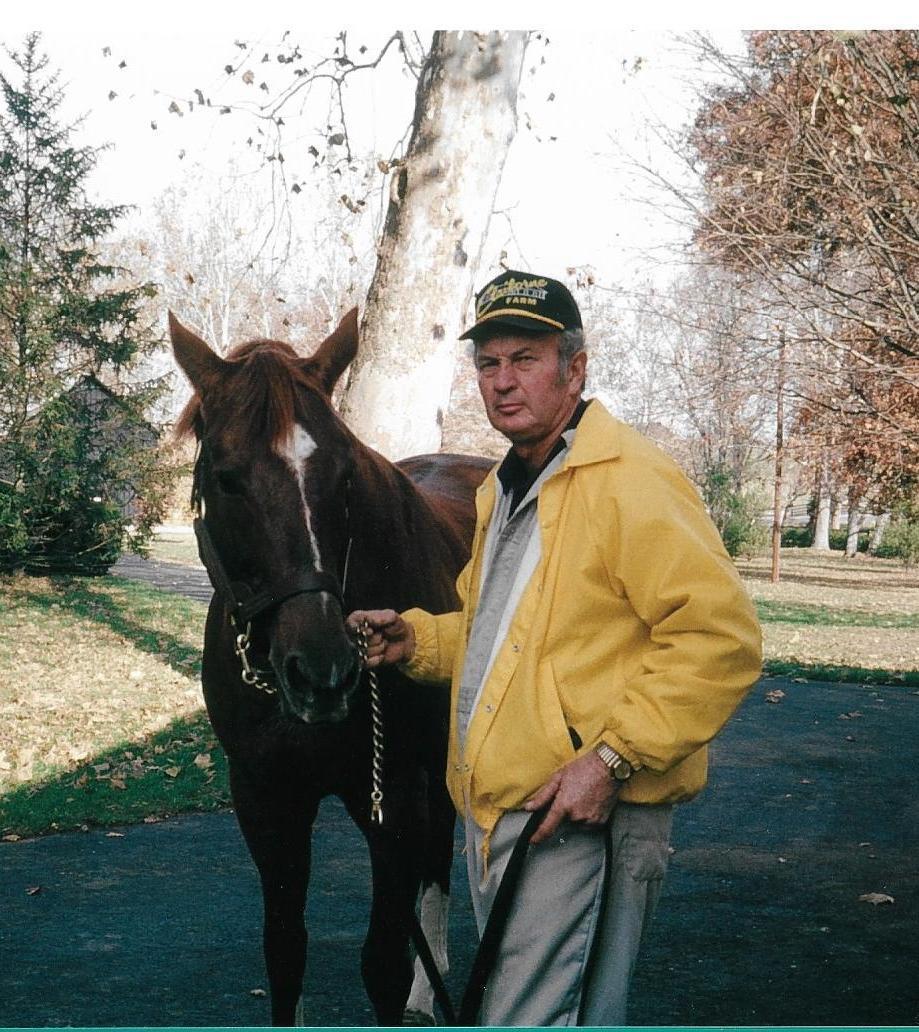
[244, 603]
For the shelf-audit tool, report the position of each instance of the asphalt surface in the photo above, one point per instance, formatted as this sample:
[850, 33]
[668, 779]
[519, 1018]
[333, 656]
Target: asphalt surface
[811, 805]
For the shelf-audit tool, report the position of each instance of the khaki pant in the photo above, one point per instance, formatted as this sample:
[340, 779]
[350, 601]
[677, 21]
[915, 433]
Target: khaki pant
[547, 971]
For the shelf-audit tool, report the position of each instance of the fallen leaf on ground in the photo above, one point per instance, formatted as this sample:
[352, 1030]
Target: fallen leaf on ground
[854, 715]
[11, 838]
[114, 834]
[257, 992]
[151, 820]
[776, 695]
[173, 772]
[34, 890]
[203, 761]
[875, 898]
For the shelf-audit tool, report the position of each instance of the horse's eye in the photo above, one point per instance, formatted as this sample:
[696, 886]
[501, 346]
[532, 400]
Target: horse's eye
[230, 481]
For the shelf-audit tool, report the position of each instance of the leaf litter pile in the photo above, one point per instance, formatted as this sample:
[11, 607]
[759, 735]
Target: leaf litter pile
[100, 712]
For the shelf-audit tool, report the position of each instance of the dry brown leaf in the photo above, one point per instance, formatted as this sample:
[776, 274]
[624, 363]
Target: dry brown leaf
[33, 890]
[875, 898]
[776, 695]
[173, 772]
[203, 761]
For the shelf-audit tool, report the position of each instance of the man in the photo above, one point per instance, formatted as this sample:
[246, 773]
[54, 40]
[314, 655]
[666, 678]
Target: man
[604, 639]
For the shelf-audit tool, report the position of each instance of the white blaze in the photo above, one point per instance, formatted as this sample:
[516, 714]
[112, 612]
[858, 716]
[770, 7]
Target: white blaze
[298, 447]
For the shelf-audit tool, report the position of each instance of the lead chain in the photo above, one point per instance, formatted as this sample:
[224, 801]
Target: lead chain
[376, 720]
[249, 674]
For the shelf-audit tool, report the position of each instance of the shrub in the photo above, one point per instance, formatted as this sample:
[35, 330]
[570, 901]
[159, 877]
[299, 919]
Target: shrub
[901, 541]
[838, 540]
[85, 539]
[735, 514]
[796, 537]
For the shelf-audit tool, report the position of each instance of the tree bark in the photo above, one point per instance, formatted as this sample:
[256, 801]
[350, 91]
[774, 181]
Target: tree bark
[877, 534]
[777, 509]
[854, 522]
[821, 542]
[441, 198]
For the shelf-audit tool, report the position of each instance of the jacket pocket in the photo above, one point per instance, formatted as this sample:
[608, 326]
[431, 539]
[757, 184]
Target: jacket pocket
[551, 715]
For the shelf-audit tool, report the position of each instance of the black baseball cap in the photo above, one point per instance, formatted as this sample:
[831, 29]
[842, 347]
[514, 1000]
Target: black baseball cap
[523, 301]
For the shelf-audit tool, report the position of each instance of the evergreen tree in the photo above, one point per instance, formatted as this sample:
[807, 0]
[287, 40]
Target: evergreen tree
[76, 464]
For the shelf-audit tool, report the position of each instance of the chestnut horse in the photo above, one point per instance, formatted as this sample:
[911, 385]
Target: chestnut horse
[299, 524]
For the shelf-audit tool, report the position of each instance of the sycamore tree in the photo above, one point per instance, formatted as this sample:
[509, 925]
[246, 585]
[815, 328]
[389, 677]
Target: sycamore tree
[434, 191]
[76, 466]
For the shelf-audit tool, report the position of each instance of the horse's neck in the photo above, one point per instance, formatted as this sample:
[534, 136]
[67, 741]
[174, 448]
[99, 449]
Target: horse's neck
[398, 538]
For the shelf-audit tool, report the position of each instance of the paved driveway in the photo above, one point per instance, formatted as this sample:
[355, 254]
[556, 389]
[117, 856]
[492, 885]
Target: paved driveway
[811, 805]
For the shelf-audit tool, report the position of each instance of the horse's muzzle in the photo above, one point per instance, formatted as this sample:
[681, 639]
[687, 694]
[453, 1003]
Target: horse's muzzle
[318, 690]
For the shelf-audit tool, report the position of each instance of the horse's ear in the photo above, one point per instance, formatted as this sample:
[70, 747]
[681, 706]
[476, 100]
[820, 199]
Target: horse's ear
[336, 352]
[201, 365]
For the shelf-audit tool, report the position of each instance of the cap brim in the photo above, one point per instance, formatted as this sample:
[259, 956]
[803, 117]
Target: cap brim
[527, 323]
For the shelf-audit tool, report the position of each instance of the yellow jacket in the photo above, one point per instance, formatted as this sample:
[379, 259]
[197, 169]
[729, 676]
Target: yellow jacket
[634, 629]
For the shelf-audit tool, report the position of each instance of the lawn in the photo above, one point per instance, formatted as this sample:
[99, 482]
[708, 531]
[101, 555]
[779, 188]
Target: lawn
[832, 618]
[101, 718]
[175, 545]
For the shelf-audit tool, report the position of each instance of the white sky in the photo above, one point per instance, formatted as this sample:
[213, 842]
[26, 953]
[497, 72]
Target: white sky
[569, 203]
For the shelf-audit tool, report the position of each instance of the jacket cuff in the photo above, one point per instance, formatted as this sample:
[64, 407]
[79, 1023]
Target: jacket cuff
[424, 663]
[623, 748]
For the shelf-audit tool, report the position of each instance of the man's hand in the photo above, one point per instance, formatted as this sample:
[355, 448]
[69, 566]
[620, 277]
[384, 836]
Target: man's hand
[391, 639]
[582, 791]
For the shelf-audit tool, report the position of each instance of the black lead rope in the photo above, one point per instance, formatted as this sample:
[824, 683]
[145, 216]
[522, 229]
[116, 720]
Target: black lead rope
[484, 962]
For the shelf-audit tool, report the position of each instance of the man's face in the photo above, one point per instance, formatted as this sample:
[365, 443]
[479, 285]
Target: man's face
[524, 397]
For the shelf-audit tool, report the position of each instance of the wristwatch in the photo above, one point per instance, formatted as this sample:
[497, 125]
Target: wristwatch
[618, 766]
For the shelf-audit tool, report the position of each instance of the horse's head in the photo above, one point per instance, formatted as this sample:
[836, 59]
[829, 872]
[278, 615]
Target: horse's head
[272, 482]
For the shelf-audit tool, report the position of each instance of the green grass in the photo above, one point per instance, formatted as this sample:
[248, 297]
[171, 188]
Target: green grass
[176, 770]
[101, 718]
[841, 674]
[822, 616]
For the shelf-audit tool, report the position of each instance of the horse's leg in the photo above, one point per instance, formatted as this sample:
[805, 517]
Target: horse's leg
[277, 832]
[395, 861]
[435, 897]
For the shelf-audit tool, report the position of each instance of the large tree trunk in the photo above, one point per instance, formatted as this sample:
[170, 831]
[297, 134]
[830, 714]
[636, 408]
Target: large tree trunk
[877, 533]
[440, 205]
[854, 522]
[821, 542]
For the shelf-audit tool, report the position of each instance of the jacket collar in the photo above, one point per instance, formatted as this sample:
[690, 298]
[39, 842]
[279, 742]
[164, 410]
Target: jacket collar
[597, 437]
[596, 440]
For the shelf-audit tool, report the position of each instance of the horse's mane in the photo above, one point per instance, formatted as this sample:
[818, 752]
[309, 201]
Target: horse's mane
[267, 376]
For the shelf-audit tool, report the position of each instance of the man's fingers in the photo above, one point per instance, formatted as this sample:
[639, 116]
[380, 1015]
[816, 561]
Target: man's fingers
[550, 824]
[544, 795]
